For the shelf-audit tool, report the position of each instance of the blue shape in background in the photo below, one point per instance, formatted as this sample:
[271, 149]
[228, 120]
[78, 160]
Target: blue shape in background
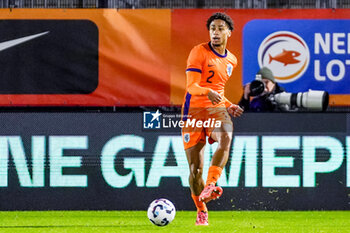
[255, 31]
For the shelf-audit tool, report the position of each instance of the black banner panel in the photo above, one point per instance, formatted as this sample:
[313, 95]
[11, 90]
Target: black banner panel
[48, 56]
[113, 161]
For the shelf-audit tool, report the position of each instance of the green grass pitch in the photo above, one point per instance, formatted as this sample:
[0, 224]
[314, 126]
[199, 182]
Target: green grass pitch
[137, 221]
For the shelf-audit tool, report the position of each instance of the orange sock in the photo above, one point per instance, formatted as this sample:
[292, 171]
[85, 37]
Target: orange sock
[214, 174]
[201, 206]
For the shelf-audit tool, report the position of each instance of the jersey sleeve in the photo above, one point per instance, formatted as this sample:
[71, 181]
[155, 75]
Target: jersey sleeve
[193, 79]
[195, 60]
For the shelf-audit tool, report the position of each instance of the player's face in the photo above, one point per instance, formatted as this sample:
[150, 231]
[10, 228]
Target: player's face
[219, 32]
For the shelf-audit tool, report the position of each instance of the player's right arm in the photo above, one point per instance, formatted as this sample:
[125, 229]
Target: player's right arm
[194, 74]
[193, 87]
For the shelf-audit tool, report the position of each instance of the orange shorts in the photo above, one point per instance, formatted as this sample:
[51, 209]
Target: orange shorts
[200, 123]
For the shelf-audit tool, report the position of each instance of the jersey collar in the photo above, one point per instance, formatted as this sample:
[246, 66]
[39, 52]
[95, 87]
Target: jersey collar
[216, 53]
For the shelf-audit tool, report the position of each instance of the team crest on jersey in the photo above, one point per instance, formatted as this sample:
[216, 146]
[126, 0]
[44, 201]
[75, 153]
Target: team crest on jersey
[186, 137]
[229, 69]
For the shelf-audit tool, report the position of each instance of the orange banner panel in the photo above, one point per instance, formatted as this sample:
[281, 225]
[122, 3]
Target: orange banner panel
[133, 57]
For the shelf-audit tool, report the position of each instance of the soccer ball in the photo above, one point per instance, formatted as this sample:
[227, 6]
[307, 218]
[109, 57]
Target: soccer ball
[161, 212]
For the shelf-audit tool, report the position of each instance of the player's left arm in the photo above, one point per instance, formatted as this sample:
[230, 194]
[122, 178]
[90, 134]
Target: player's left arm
[233, 109]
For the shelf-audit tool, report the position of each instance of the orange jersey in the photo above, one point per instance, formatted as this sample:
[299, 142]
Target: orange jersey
[215, 70]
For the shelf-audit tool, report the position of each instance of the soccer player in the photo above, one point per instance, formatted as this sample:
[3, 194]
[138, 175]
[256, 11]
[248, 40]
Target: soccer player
[209, 66]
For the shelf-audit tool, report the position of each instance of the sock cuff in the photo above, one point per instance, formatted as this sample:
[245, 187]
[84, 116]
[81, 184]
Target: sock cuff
[215, 168]
[213, 175]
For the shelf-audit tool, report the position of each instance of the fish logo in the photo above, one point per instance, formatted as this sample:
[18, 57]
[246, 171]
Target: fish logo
[286, 54]
[286, 57]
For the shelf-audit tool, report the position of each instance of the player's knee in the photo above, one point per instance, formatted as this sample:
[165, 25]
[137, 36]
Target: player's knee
[196, 172]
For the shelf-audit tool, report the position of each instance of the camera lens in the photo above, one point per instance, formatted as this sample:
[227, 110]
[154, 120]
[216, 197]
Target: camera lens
[256, 87]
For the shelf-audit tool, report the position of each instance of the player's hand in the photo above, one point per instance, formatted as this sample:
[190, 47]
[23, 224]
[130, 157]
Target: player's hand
[235, 110]
[214, 97]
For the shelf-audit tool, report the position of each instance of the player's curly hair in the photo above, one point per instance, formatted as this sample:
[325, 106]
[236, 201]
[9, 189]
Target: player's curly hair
[222, 16]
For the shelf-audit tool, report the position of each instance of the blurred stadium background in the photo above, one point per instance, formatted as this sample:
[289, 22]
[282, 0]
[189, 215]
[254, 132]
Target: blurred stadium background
[73, 111]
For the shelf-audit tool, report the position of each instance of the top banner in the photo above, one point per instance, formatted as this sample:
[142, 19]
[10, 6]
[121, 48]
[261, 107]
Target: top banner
[109, 57]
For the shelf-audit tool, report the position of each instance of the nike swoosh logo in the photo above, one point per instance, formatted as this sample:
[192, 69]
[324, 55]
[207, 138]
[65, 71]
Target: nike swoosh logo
[10, 43]
[209, 65]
